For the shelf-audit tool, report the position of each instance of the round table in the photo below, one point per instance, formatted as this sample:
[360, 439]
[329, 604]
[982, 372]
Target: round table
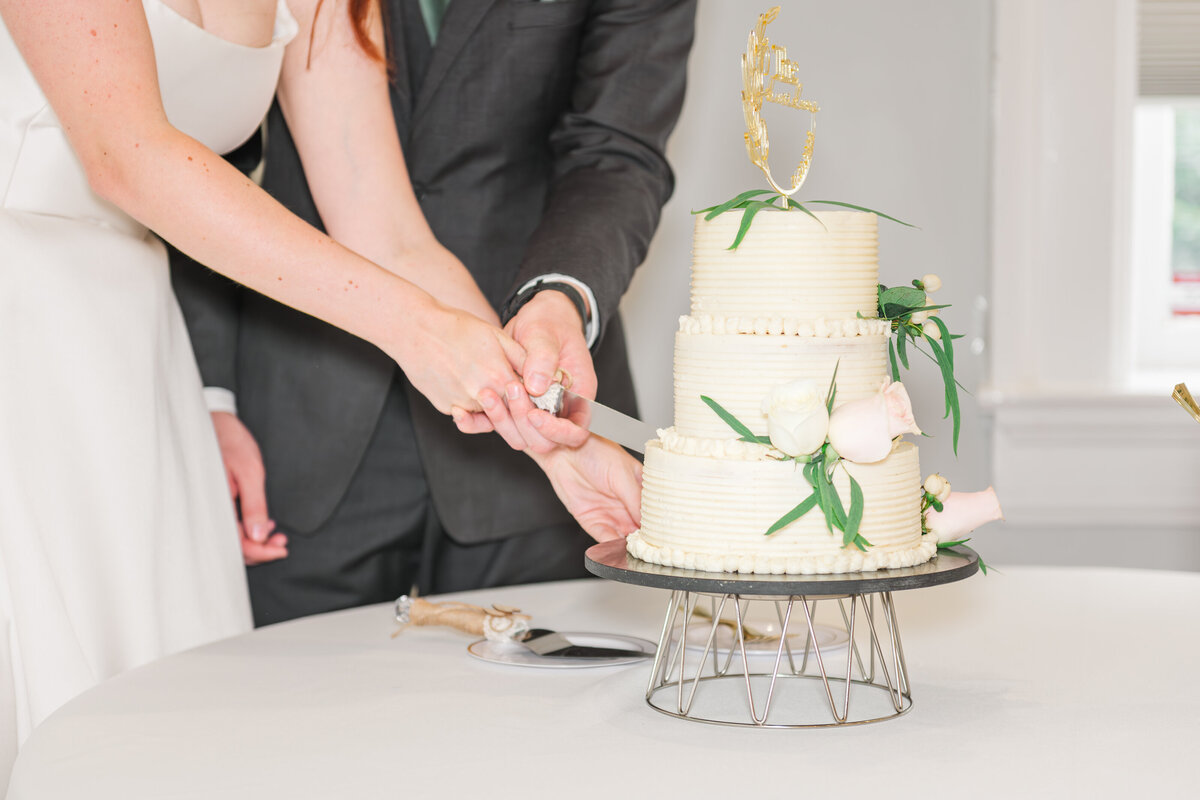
[1045, 682]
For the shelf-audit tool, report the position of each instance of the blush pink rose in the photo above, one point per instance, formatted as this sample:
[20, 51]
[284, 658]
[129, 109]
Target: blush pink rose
[862, 430]
[962, 512]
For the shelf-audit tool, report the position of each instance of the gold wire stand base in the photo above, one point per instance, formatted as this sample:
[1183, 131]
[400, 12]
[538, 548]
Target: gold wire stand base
[801, 689]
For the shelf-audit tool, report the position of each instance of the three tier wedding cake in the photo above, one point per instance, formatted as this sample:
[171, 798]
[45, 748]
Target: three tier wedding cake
[788, 453]
[771, 323]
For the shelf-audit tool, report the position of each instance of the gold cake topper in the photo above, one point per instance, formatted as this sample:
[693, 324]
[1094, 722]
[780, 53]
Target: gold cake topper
[1184, 398]
[766, 68]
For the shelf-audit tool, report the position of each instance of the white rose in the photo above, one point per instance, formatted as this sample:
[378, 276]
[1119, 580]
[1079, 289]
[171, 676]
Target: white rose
[931, 282]
[930, 329]
[797, 419]
[938, 486]
[919, 317]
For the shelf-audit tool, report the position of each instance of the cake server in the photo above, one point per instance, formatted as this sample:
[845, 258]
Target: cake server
[551, 644]
[502, 624]
[598, 418]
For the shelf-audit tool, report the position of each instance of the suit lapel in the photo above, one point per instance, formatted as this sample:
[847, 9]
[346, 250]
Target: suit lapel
[462, 18]
[401, 82]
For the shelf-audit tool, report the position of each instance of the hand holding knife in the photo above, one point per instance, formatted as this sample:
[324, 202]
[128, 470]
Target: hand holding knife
[596, 417]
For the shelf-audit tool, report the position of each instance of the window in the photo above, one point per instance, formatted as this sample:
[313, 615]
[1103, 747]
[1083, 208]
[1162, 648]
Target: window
[1082, 458]
[1164, 268]
[1165, 261]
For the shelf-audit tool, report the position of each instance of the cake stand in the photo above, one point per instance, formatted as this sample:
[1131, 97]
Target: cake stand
[787, 686]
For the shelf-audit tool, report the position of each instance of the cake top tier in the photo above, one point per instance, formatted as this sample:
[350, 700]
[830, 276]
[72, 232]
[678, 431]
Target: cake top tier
[788, 266]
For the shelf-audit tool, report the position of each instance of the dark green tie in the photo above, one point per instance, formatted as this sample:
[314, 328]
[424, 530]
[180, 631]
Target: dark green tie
[433, 12]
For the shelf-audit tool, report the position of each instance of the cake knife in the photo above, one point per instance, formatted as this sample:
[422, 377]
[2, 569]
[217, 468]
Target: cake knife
[503, 624]
[598, 418]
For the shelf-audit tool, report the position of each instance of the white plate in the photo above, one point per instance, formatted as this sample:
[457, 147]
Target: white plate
[827, 638]
[520, 656]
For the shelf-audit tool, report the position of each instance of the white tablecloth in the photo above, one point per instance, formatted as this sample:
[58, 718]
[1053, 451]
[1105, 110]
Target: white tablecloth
[1031, 682]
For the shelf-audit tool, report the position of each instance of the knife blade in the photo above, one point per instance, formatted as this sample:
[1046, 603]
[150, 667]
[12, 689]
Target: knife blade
[598, 418]
[551, 644]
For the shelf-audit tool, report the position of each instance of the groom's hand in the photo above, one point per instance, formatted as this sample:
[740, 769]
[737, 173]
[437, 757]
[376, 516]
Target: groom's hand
[552, 333]
[600, 484]
[247, 485]
[550, 330]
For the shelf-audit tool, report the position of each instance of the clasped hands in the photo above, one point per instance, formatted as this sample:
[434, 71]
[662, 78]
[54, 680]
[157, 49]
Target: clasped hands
[550, 333]
[597, 481]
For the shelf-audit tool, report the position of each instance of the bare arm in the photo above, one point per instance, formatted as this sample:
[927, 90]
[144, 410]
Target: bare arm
[339, 113]
[95, 63]
[338, 109]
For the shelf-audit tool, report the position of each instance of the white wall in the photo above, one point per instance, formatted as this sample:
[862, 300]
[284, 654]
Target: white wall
[904, 128]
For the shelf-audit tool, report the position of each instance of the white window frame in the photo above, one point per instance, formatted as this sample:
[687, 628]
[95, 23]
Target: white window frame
[1074, 447]
[1164, 348]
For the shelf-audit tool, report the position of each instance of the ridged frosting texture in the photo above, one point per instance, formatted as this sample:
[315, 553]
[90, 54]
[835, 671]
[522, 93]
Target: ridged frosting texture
[788, 304]
[738, 371]
[778, 326]
[789, 266]
[672, 441]
[710, 513]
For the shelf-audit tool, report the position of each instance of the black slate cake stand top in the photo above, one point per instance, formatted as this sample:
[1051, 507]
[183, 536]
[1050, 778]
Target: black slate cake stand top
[610, 560]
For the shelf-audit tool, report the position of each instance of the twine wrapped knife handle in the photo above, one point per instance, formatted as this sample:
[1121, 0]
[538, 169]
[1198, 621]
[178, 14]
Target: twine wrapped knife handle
[498, 623]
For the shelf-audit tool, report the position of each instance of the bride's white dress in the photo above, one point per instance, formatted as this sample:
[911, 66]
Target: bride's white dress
[117, 536]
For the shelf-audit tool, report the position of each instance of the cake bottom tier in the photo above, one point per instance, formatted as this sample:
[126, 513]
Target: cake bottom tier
[711, 514]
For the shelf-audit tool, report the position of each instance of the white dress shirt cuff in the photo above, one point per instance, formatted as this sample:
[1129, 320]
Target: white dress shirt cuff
[591, 325]
[218, 399]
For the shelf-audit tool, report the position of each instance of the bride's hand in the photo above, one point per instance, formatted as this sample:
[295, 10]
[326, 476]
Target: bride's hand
[456, 359]
[599, 483]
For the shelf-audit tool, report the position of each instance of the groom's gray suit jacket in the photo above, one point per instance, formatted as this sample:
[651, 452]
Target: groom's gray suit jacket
[535, 145]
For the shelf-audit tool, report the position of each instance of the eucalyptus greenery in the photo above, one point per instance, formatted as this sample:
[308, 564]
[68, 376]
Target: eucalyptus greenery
[898, 304]
[818, 471]
[951, 545]
[749, 203]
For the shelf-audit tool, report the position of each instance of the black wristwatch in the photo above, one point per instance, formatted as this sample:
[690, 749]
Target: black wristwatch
[525, 295]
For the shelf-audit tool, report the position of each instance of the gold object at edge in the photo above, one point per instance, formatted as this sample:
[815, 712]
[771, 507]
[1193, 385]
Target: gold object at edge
[1184, 398]
[765, 67]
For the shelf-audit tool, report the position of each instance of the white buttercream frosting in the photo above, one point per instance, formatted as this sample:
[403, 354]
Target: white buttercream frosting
[739, 371]
[789, 266]
[672, 441]
[784, 307]
[779, 326]
[711, 513]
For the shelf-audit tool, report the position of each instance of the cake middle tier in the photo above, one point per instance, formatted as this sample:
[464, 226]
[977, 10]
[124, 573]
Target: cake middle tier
[738, 370]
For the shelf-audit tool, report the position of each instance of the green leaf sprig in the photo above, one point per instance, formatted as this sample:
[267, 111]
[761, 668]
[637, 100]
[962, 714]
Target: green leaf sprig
[950, 545]
[740, 429]
[750, 203]
[898, 304]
